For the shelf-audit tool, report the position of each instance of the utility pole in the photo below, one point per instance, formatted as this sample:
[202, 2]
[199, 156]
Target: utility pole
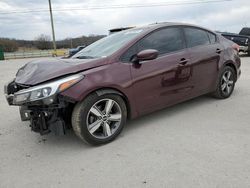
[71, 43]
[52, 26]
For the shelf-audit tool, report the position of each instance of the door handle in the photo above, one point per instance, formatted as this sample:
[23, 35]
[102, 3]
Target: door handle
[183, 61]
[218, 51]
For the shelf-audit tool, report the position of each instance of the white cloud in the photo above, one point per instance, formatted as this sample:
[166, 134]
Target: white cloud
[227, 15]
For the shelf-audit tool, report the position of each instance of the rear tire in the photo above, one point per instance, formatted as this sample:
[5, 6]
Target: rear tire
[96, 122]
[225, 83]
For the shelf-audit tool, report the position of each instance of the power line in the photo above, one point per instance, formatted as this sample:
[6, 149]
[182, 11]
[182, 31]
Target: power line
[162, 4]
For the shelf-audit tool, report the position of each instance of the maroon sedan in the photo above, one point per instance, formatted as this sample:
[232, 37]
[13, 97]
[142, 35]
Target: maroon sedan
[123, 76]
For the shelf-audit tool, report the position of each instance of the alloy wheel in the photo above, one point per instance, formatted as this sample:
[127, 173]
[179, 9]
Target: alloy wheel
[227, 82]
[104, 118]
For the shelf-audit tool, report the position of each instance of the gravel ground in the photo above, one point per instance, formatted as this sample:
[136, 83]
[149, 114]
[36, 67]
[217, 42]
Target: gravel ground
[200, 143]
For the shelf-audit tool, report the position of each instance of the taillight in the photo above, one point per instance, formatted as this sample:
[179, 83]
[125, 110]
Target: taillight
[236, 47]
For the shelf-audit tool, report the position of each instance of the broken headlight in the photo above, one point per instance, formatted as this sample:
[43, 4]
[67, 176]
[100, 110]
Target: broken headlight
[44, 91]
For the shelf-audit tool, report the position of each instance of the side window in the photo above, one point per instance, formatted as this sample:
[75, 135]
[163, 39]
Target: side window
[196, 37]
[212, 37]
[165, 41]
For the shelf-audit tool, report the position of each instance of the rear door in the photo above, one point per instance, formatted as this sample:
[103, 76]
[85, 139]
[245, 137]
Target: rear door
[205, 54]
[166, 80]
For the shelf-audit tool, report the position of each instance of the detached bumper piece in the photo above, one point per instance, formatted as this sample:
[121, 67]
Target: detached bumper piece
[44, 121]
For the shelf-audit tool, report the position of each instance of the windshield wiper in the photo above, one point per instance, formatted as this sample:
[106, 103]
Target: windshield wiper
[85, 57]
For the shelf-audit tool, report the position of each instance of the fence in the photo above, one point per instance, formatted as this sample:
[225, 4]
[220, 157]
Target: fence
[36, 53]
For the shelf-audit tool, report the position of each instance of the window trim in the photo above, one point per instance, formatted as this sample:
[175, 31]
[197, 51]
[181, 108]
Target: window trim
[180, 27]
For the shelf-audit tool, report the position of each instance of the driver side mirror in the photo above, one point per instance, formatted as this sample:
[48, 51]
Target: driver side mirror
[145, 55]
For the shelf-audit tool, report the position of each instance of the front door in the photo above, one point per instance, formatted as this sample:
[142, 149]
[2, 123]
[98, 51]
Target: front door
[166, 80]
[161, 82]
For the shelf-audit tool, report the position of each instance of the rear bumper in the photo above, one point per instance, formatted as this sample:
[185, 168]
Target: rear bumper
[244, 49]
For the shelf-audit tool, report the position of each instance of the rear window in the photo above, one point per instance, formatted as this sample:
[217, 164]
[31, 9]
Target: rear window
[245, 31]
[212, 37]
[196, 37]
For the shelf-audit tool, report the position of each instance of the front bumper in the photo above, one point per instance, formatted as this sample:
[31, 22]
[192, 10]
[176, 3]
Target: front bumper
[43, 118]
[9, 89]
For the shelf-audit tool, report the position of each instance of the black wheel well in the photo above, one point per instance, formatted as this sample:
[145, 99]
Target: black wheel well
[230, 64]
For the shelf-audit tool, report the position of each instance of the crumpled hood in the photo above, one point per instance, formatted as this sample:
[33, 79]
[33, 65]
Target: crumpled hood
[39, 71]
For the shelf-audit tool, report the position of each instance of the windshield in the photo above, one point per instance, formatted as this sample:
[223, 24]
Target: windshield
[108, 45]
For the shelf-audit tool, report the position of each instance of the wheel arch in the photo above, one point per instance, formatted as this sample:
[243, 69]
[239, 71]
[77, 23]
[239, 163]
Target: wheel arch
[108, 90]
[232, 65]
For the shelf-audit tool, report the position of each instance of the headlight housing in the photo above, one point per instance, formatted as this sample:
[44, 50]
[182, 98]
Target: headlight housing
[47, 90]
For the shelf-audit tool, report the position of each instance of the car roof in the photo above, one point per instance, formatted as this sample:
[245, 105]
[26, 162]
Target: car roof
[156, 25]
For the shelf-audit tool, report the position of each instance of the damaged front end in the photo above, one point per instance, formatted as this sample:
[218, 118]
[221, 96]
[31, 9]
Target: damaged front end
[42, 105]
[45, 119]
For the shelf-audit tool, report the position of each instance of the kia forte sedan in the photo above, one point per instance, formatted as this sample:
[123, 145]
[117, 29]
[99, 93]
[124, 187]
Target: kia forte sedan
[123, 76]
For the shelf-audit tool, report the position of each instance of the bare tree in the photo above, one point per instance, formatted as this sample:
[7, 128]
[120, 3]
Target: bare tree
[43, 42]
[8, 45]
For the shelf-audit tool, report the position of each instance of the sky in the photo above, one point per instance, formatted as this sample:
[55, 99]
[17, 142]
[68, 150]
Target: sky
[227, 15]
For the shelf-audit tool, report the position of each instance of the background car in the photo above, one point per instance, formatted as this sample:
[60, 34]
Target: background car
[73, 51]
[242, 39]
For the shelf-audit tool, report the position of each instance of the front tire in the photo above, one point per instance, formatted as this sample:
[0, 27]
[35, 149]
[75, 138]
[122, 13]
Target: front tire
[99, 119]
[225, 83]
